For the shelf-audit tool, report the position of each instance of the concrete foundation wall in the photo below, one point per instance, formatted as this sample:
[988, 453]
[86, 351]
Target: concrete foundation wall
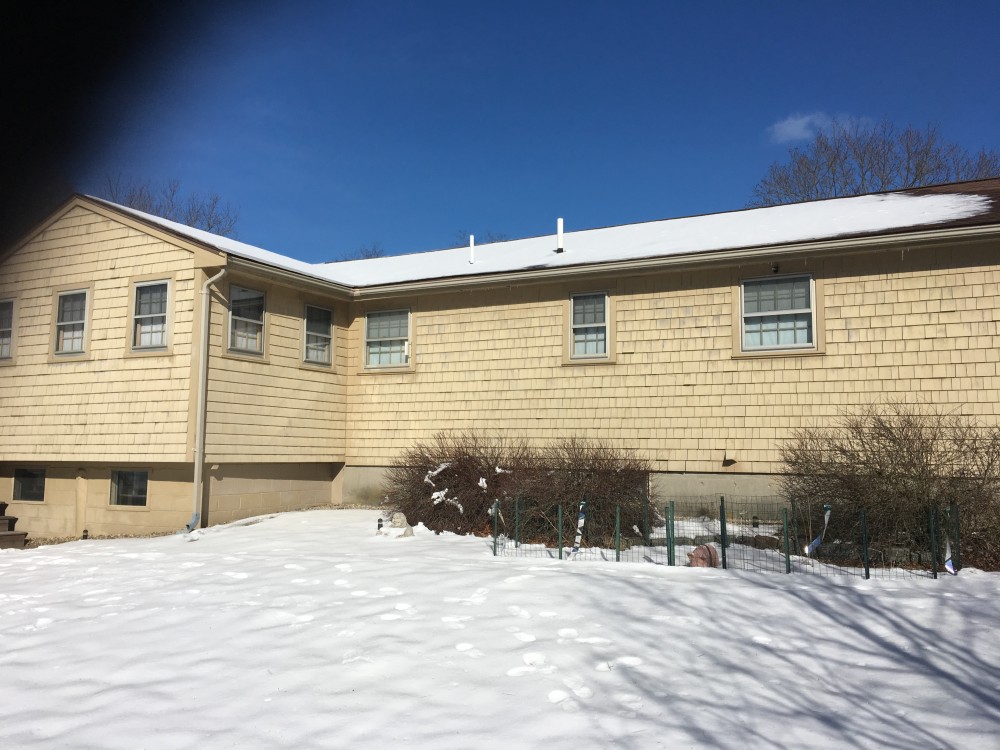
[238, 491]
[79, 497]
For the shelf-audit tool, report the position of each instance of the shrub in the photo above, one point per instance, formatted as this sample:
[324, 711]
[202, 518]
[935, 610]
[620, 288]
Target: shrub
[896, 461]
[451, 483]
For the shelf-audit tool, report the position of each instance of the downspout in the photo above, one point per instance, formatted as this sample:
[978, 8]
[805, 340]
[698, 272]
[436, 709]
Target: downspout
[200, 419]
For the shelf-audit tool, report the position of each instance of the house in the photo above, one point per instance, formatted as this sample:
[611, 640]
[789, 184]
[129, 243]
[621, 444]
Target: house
[154, 376]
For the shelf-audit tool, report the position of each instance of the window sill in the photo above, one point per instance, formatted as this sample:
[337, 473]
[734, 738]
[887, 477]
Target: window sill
[129, 508]
[70, 357]
[151, 352]
[569, 362]
[316, 366]
[778, 353]
[8, 362]
[245, 356]
[398, 369]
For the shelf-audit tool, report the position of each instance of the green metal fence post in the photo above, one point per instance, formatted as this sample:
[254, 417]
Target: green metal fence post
[670, 534]
[864, 544]
[559, 516]
[931, 513]
[517, 522]
[956, 532]
[496, 525]
[618, 533]
[722, 529]
[795, 528]
[645, 511]
[784, 524]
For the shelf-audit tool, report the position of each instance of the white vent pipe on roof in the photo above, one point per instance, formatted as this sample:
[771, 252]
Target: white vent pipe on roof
[559, 235]
[472, 248]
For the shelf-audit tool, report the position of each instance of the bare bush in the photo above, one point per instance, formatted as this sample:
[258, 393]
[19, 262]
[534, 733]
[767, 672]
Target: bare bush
[898, 461]
[451, 483]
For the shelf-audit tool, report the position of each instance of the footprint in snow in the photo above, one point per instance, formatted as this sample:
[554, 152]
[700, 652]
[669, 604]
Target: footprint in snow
[344, 567]
[533, 662]
[579, 687]
[390, 591]
[293, 566]
[469, 650]
[455, 622]
[519, 612]
[630, 703]
[624, 661]
[236, 576]
[561, 698]
[477, 598]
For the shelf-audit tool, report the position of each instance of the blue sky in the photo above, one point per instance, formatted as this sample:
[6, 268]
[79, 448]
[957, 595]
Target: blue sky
[336, 125]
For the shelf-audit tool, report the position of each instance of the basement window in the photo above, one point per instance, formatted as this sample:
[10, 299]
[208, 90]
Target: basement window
[129, 487]
[29, 484]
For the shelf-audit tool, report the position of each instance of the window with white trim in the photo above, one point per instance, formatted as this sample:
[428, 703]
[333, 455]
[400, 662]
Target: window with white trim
[129, 487]
[71, 322]
[29, 484]
[318, 335]
[6, 329]
[778, 313]
[149, 317]
[387, 338]
[246, 320]
[589, 326]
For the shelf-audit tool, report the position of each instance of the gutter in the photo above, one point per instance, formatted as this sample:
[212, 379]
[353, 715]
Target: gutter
[202, 408]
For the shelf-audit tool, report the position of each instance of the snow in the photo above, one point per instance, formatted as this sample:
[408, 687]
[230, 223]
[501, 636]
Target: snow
[307, 630]
[775, 225]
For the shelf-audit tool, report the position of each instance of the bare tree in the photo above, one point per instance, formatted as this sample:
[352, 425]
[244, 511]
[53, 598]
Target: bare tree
[208, 212]
[853, 157]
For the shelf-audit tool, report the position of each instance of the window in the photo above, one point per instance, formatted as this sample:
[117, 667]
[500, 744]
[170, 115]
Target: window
[589, 326]
[149, 319]
[71, 322]
[129, 487]
[778, 313]
[246, 320]
[6, 329]
[387, 338]
[29, 484]
[319, 335]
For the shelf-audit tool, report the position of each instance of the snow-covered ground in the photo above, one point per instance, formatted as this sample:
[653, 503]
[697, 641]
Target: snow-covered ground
[306, 630]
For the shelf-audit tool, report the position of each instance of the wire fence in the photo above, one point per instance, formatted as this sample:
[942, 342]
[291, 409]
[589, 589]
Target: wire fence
[767, 534]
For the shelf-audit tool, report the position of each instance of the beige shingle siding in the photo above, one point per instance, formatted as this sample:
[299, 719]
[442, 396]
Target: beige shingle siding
[921, 324]
[106, 405]
[274, 407]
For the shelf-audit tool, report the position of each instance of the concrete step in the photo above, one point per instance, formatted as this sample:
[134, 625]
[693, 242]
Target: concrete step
[13, 539]
[7, 523]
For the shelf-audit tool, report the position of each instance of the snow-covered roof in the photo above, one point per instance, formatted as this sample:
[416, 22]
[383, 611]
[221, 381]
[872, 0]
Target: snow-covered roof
[777, 225]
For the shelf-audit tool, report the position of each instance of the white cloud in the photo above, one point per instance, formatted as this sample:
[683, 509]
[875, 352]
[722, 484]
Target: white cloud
[798, 127]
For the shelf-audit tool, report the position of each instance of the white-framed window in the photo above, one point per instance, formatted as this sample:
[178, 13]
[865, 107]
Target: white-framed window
[778, 313]
[71, 322]
[29, 484]
[246, 320]
[589, 326]
[6, 328]
[129, 487]
[318, 345]
[149, 316]
[387, 338]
